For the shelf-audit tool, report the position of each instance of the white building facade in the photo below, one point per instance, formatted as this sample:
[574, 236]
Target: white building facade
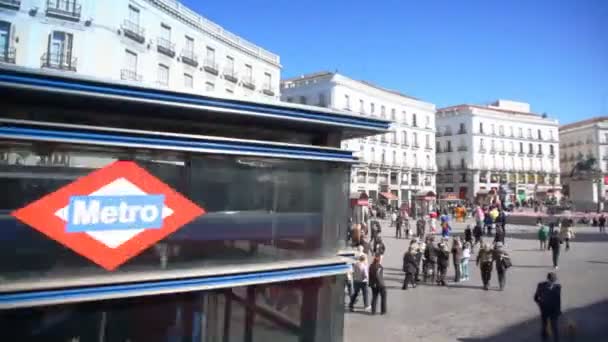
[580, 141]
[155, 43]
[480, 148]
[400, 164]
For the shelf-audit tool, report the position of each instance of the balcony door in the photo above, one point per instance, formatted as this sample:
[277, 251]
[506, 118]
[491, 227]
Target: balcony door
[5, 29]
[60, 48]
[134, 15]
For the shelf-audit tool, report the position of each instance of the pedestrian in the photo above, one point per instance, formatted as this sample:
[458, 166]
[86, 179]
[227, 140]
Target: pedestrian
[349, 281]
[398, 227]
[376, 229]
[479, 216]
[484, 261]
[554, 245]
[420, 227]
[488, 223]
[502, 261]
[602, 223]
[410, 267]
[443, 260]
[464, 261]
[429, 263]
[551, 228]
[542, 235]
[468, 234]
[419, 248]
[433, 224]
[477, 233]
[405, 222]
[360, 282]
[566, 233]
[499, 236]
[548, 297]
[445, 229]
[376, 282]
[456, 258]
[379, 248]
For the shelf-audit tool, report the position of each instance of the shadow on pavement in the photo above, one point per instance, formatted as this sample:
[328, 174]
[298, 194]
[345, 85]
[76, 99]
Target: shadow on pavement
[590, 324]
[531, 266]
[597, 262]
[580, 237]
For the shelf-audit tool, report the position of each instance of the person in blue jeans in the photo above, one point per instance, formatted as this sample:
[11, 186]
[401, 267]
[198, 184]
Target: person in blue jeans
[360, 282]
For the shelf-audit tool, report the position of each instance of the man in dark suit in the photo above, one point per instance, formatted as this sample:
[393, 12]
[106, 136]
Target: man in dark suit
[548, 297]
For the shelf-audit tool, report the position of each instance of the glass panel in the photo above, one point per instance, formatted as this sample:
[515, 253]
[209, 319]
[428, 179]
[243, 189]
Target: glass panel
[134, 15]
[253, 313]
[258, 209]
[163, 74]
[5, 29]
[189, 44]
[165, 32]
[131, 61]
[229, 64]
[210, 55]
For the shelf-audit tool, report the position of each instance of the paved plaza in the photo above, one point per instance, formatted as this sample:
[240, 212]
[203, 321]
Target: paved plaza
[464, 312]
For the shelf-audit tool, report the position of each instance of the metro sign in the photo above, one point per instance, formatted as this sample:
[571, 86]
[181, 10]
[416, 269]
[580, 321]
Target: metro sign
[111, 215]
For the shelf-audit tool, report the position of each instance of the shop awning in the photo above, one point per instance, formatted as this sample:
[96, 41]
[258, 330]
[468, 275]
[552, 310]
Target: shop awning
[389, 196]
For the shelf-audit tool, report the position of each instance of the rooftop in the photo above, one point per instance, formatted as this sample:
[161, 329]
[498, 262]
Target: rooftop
[584, 122]
[467, 106]
[197, 21]
[320, 74]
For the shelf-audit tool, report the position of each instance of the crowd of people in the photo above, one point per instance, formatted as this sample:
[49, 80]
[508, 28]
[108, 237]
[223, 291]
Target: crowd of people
[430, 253]
[432, 250]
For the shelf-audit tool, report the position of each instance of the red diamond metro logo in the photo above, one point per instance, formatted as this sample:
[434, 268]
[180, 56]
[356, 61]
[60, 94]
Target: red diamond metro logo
[111, 215]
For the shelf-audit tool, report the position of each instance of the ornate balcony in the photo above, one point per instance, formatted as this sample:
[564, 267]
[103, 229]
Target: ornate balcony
[248, 82]
[7, 55]
[58, 61]
[130, 75]
[189, 57]
[133, 31]
[267, 90]
[63, 9]
[231, 76]
[10, 4]
[211, 67]
[165, 47]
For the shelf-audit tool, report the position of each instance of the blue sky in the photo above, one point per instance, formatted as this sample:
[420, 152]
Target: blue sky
[552, 54]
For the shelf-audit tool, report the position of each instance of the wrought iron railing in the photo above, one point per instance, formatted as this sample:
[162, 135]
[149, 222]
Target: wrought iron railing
[58, 60]
[189, 57]
[130, 75]
[66, 9]
[165, 46]
[7, 55]
[11, 4]
[133, 31]
[248, 82]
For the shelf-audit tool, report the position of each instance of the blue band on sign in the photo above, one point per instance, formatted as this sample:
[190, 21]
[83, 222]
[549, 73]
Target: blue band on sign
[96, 213]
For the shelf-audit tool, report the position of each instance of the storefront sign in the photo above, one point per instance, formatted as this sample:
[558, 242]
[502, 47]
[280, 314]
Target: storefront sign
[110, 215]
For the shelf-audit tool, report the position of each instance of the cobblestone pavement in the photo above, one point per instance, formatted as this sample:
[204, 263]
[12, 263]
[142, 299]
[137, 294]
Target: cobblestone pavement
[464, 312]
